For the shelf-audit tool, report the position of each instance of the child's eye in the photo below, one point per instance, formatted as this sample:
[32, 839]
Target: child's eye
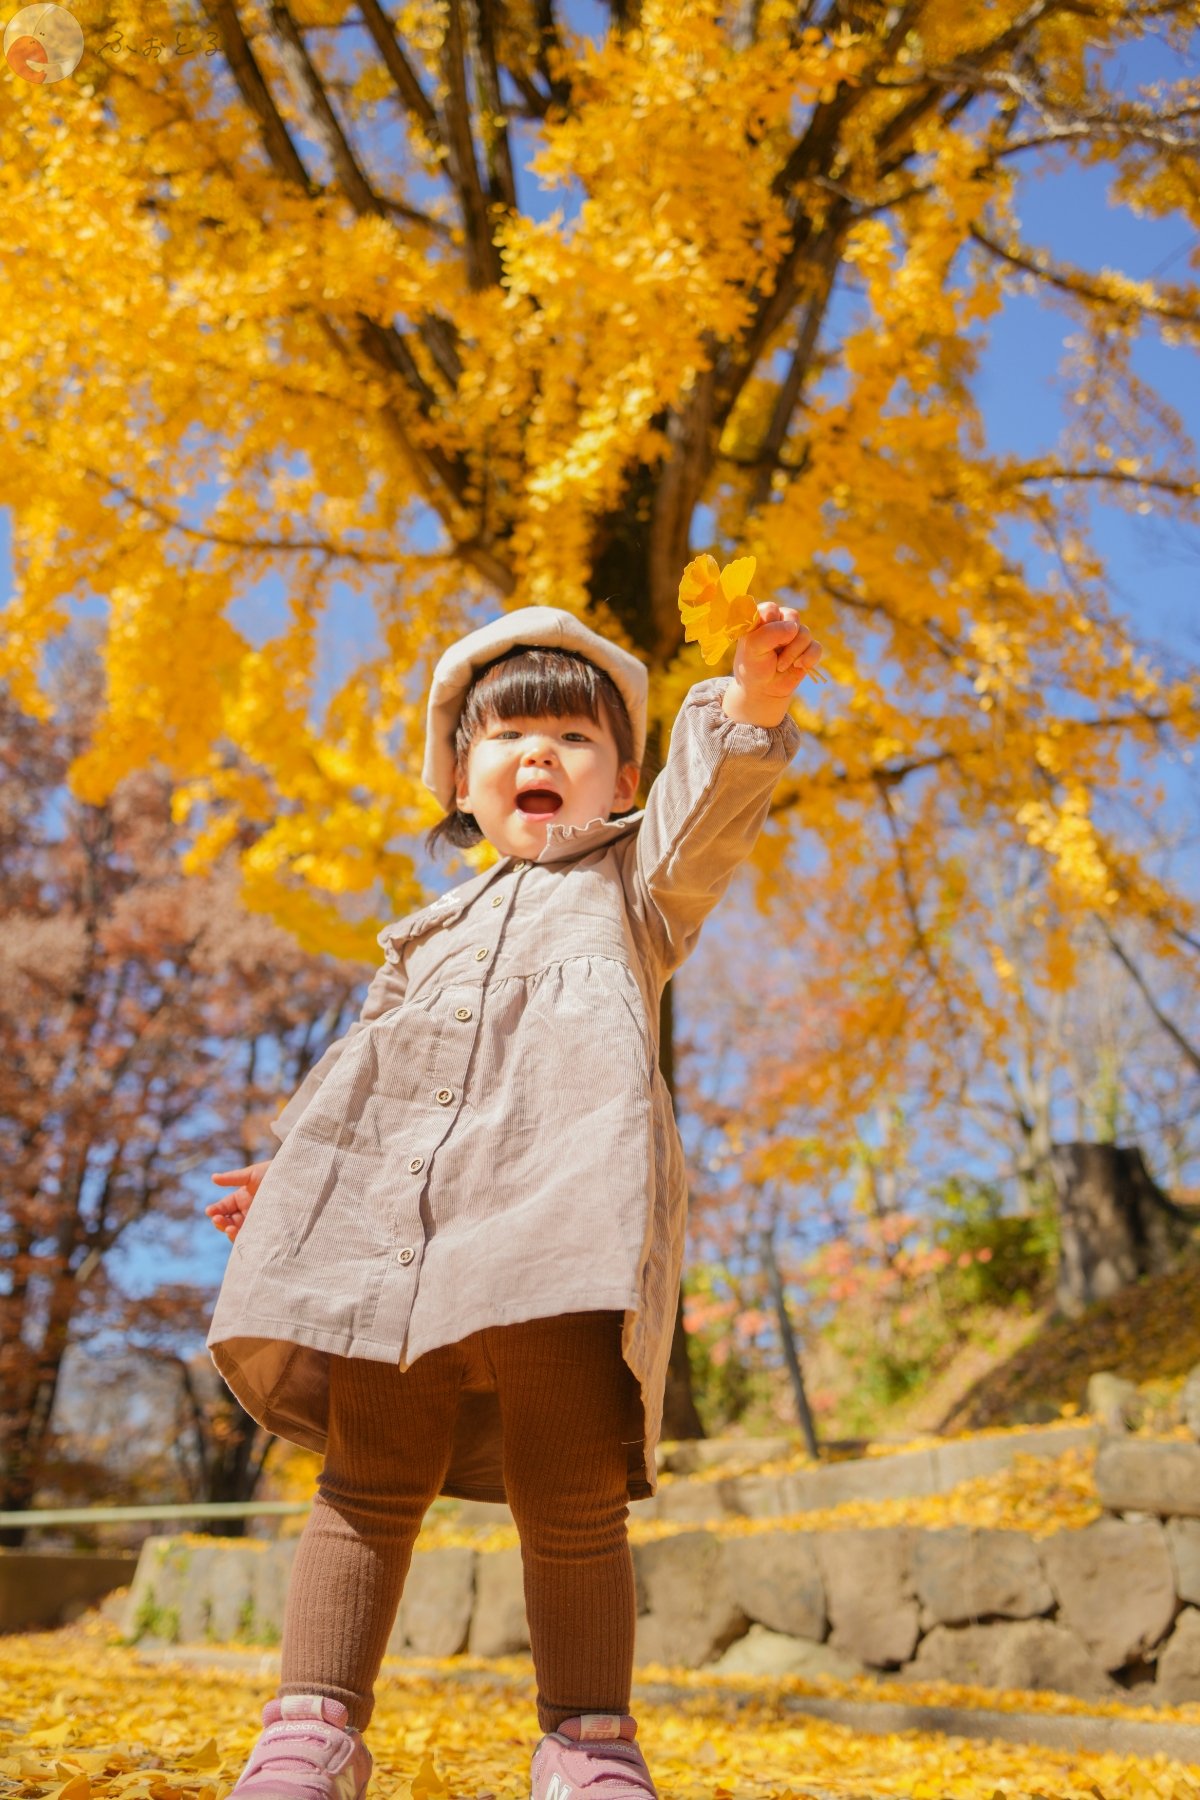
[507, 732]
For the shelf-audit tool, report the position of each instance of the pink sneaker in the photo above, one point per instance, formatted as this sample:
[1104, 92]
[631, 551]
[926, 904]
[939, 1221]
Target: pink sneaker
[306, 1752]
[594, 1751]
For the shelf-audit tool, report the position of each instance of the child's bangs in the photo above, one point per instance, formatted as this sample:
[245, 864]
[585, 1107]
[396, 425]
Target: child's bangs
[530, 686]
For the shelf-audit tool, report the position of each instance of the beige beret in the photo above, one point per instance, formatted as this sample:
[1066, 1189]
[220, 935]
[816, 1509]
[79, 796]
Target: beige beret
[545, 626]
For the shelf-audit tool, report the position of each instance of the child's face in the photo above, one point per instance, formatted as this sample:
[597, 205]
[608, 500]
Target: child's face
[525, 774]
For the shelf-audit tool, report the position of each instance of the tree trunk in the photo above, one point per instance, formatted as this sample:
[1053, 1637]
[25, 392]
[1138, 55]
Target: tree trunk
[237, 1452]
[25, 1421]
[680, 1418]
[1115, 1223]
[791, 1354]
[229, 1447]
[621, 566]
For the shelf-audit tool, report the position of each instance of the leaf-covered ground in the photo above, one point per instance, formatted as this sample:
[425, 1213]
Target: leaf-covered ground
[86, 1719]
[1149, 1332]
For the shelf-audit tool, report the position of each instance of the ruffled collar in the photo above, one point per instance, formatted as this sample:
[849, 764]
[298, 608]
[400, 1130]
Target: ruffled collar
[576, 840]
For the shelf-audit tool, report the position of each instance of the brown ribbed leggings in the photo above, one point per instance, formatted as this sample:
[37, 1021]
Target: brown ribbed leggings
[564, 1393]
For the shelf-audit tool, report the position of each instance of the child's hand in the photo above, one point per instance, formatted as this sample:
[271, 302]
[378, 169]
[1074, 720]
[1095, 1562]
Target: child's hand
[228, 1213]
[769, 664]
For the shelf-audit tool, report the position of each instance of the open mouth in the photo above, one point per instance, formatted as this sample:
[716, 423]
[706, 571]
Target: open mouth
[539, 802]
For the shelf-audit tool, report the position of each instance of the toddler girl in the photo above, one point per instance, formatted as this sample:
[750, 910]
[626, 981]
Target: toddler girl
[459, 1273]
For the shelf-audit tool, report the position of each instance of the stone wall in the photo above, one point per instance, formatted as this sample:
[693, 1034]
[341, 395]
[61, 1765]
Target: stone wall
[901, 1475]
[1094, 1612]
[40, 1589]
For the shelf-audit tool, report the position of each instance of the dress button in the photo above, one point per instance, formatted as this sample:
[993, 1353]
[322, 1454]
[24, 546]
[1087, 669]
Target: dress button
[481, 953]
[462, 1012]
[416, 1165]
[444, 1096]
[498, 900]
[518, 866]
[405, 1256]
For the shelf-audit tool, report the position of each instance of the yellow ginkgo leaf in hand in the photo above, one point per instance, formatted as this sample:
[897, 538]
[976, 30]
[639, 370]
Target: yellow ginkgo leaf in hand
[716, 605]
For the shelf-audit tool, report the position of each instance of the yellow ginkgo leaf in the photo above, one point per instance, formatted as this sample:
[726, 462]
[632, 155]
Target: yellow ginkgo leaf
[428, 1783]
[716, 605]
[206, 1756]
[78, 1787]
[51, 1737]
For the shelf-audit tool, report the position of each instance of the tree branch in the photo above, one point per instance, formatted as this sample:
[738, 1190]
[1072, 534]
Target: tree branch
[502, 186]
[310, 95]
[1172, 1030]
[1085, 287]
[1165, 484]
[807, 337]
[267, 546]
[281, 152]
[483, 258]
[404, 76]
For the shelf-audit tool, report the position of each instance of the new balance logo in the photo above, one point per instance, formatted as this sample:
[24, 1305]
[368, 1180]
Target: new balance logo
[558, 1789]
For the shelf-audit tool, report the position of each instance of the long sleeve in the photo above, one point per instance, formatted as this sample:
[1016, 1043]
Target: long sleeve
[704, 813]
[385, 992]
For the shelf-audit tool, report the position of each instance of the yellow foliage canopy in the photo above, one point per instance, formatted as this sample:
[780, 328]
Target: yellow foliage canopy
[291, 320]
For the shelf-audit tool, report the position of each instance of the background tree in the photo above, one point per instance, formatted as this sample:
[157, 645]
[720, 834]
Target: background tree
[148, 1027]
[313, 325]
[881, 1213]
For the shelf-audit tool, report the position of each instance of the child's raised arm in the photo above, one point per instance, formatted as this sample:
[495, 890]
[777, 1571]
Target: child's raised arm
[730, 743]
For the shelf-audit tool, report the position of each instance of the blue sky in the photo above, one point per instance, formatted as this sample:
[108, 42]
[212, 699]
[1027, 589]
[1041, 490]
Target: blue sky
[1154, 568]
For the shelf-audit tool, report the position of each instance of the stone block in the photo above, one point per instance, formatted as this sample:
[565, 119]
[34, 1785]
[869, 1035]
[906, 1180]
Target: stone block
[1183, 1543]
[435, 1610]
[1138, 1475]
[1115, 1587]
[692, 1456]
[269, 1579]
[141, 1589]
[498, 1624]
[962, 1574]
[963, 1459]
[170, 1597]
[1113, 1402]
[228, 1592]
[907, 1474]
[763, 1652]
[777, 1582]
[692, 1502]
[1025, 1654]
[684, 1585]
[873, 1610]
[1189, 1401]
[650, 1643]
[1179, 1662]
[761, 1496]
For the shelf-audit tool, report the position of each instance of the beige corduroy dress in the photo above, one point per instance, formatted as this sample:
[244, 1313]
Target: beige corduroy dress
[492, 1140]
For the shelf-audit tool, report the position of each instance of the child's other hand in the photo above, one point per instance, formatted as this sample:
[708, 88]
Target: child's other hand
[228, 1213]
[769, 664]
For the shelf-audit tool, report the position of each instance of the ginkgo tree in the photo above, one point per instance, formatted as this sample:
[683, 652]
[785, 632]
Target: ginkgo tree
[420, 313]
